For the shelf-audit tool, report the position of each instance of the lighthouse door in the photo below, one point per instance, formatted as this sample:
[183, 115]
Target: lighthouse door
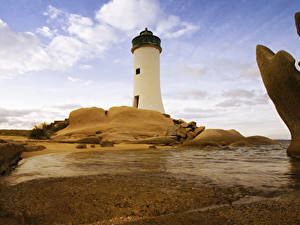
[136, 101]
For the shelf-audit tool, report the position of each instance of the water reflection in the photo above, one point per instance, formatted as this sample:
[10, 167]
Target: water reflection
[266, 167]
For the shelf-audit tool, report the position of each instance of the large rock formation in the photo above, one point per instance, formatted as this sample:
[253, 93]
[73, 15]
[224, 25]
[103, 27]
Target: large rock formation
[218, 138]
[10, 154]
[215, 137]
[297, 21]
[118, 124]
[282, 81]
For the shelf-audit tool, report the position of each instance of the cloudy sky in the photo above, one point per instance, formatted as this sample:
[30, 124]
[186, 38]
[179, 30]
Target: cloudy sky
[60, 55]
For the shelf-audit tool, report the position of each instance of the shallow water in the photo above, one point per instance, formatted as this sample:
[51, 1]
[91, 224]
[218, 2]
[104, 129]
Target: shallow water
[264, 167]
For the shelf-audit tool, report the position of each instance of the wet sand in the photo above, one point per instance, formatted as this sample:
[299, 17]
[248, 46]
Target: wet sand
[145, 198]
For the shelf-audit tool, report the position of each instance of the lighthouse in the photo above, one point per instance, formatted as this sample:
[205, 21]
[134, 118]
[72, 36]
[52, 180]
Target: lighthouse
[146, 50]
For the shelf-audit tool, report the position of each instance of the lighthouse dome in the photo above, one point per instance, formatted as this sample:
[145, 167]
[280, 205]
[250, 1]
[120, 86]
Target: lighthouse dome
[146, 38]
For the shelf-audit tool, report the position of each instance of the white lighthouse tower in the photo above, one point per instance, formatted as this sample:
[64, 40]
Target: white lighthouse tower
[146, 50]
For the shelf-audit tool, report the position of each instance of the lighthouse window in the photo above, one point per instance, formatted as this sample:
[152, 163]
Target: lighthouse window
[138, 71]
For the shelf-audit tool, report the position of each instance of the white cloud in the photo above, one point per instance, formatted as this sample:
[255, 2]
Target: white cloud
[65, 51]
[20, 52]
[97, 36]
[53, 12]
[239, 93]
[128, 15]
[193, 70]
[73, 79]
[78, 37]
[133, 15]
[239, 97]
[251, 73]
[173, 27]
[45, 31]
[77, 80]
[26, 118]
[85, 67]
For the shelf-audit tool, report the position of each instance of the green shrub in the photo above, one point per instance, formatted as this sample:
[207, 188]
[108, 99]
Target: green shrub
[45, 131]
[39, 132]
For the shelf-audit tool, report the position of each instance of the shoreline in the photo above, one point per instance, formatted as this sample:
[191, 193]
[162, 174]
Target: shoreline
[59, 147]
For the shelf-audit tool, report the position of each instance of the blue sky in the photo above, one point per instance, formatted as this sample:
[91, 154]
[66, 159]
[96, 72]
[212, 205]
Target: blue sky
[59, 55]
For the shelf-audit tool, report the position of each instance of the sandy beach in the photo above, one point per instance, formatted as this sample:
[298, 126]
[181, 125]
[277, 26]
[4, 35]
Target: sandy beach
[56, 147]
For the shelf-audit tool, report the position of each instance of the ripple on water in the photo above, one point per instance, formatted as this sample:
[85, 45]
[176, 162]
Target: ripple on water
[258, 167]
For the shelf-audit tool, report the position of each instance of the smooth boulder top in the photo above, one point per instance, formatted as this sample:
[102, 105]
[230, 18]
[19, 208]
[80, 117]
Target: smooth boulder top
[216, 137]
[254, 141]
[220, 136]
[117, 124]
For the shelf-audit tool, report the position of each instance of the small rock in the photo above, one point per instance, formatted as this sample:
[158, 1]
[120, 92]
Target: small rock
[152, 147]
[185, 125]
[180, 121]
[190, 135]
[167, 115]
[89, 140]
[171, 131]
[192, 124]
[107, 144]
[181, 132]
[189, 129]
[33, 148]
[93, 146]
[81, 146]
[2, 141]
[198, 130]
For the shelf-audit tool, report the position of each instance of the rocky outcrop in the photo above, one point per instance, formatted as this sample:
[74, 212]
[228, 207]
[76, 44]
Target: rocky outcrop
[254, 141]
[163, 140]
[125, 125]
[282, 81]
[117, 125]
[297, 21]
[215, 137]
[183, 130]
[10, 154]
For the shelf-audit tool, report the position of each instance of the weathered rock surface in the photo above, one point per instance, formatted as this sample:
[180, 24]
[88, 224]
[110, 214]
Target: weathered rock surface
[107, 144]
[254, 141]
[297, 21]
[162, 140]
[81, 146]
[215, 137]
[33, 148]
[10, 154]
[282, 82]
[198, 130]
[118, 124]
